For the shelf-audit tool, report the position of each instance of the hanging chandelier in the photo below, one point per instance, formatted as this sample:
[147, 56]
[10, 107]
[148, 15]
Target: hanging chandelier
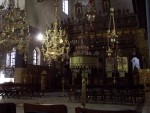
[55, 42]
[15, 28]
[91, 12]
[111, 33]
[82, 60]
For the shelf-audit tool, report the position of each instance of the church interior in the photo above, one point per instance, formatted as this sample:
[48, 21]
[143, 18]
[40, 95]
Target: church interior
[94, 50]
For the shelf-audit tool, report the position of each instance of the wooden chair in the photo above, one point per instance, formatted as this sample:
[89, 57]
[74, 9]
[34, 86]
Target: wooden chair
[7, 108]
[74, 93]
[139, 94]
[85, 110]
[108, 94]
[45, 108]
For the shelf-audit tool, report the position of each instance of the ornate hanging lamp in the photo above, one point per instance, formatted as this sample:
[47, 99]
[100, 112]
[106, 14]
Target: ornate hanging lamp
[15, 28]
[91, 12]
[55, 42]
[78, 10]
[111, 33]
[83, 61]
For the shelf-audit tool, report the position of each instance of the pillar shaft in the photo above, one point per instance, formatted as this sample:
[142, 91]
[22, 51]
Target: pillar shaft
[148, 26]
[20, 62]
[20, 67]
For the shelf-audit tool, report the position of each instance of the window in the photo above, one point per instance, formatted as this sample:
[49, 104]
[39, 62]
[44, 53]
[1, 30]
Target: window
[36, 56]
[13, 56]
[10, 59]
[65, 6]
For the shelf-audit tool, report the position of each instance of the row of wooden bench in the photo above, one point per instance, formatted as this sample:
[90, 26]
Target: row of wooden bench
[109, 94]
[54, 108]
[19, 90]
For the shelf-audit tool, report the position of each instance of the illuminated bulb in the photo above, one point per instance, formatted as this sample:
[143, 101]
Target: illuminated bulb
[40, 37]
[111, 9]
[61, 41]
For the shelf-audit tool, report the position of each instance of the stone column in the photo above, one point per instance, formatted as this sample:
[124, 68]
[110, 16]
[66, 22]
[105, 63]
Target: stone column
[148, 25]
[43, 80]
[84, 83]
[20, 67]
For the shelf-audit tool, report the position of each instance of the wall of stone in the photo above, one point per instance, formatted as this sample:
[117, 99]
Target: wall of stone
[41, 15]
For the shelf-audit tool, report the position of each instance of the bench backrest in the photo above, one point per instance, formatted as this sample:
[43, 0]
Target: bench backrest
[85, 110]
[7, 108]
[40, 108]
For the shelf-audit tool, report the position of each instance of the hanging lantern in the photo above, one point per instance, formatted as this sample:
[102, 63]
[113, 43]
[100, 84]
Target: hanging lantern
[91, 12]
[78, 10]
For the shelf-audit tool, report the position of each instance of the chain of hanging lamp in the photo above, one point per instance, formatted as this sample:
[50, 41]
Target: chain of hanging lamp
[112, 50]
[111, 33]
[15, 28]
[55, 42]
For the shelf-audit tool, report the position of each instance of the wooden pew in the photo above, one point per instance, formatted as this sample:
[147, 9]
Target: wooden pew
[7, 108]
[85, 110]
[18, 90]
[45, 108]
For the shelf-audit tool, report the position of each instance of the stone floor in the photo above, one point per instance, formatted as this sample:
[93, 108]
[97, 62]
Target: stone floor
[57, 98]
